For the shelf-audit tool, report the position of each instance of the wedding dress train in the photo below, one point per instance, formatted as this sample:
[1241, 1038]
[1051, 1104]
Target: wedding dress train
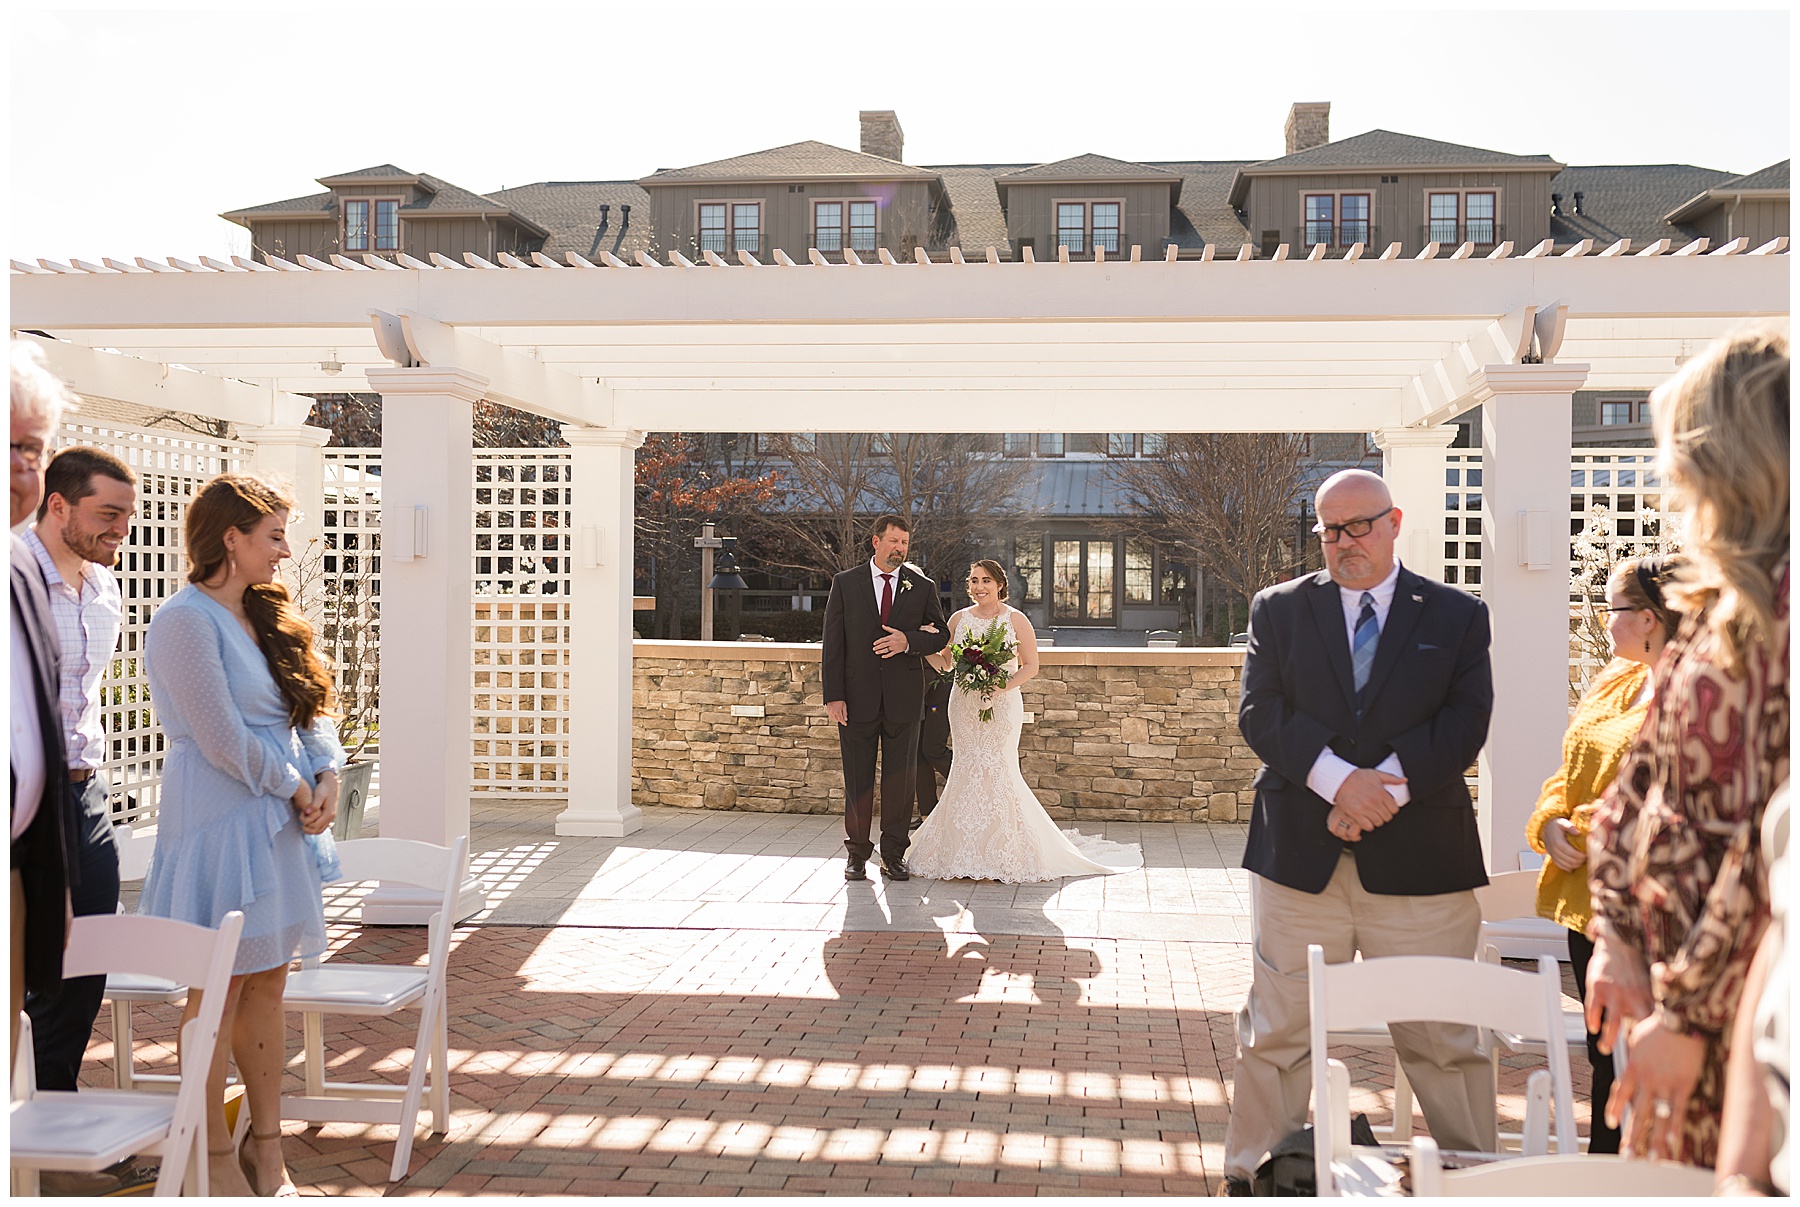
[987, 824]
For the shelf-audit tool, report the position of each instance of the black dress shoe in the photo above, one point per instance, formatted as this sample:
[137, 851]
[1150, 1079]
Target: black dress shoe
[856, 869]
[894, 871]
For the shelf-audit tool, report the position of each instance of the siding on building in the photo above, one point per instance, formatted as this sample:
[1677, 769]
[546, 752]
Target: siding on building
[1031, 211]
[1399, 212]
[904, 216]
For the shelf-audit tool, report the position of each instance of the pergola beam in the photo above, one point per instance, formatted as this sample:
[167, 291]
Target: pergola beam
[105, 374]
[1447, 388]
[512, 377]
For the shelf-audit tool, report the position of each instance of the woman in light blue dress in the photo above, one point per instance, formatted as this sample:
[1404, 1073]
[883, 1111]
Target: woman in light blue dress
[249, 780]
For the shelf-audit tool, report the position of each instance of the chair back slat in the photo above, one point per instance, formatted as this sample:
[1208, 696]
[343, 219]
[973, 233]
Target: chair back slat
[141, 945]
[396, 860]
[1434, 989]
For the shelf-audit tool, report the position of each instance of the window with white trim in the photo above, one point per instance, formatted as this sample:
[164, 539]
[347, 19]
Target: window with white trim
[725, 227]
[1618, 411]
[841, 224]
[1463, 217]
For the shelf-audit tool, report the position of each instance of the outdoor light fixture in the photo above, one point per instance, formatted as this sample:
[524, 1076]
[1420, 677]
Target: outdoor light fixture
[333, 367]
[728, 577]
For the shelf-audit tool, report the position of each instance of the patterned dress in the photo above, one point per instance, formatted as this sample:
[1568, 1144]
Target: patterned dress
[1677, 866]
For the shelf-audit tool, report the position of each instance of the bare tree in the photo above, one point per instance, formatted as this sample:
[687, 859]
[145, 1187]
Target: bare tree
[951, 485]
[355, 422]
[1229, 498]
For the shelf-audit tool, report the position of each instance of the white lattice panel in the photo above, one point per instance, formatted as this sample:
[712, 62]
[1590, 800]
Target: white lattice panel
[170, 466]
[522, 622]
[344, 585]
[1622, 480]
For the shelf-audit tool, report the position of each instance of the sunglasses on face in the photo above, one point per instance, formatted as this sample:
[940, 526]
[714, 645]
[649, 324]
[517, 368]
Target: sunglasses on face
[1330, 534]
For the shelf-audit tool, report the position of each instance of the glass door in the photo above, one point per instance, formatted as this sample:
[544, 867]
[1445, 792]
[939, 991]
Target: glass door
[1082, 580]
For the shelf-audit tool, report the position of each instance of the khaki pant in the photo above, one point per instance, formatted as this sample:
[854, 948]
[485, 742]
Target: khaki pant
[1273, 1081]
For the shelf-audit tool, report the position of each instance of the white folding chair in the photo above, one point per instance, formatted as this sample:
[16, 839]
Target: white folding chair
[1438, 989]
[89, 1130]
[339, 987]
[1506, 895]
[124, 990]
[1564, 1175]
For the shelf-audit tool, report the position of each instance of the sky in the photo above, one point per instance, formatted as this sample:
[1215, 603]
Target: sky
[131, 130]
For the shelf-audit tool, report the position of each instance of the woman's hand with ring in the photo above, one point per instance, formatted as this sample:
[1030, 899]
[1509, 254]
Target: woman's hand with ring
[1657, 1082]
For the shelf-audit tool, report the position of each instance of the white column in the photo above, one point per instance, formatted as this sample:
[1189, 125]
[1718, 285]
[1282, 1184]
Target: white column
[427, 586]
[295, 455]
[1525, 582]
[600, 645]
[1412, 464]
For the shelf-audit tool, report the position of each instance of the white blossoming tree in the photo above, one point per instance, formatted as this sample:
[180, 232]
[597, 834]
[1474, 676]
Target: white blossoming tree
[1594, 551]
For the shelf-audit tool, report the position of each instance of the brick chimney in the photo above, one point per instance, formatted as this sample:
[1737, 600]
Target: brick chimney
[881, 133]
[1308, 126]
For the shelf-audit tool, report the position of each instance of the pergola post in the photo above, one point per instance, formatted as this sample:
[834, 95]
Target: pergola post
[1412, 464]
[427, 582]
[295, 456]
[1525, 443]
[601, 634]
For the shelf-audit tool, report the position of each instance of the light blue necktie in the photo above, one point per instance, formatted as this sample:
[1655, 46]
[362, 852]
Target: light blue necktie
[1362, 646]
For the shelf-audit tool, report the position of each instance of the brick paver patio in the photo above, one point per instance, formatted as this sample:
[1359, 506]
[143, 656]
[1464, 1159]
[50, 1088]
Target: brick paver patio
[706, 1007]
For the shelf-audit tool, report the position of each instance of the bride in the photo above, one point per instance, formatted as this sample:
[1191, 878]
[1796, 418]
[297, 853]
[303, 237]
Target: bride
[987, 824]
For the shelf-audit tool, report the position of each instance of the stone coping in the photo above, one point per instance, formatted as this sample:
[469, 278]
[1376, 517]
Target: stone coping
[1061, 655]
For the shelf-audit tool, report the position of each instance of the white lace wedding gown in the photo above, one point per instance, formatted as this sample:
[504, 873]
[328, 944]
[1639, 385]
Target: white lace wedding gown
[987, 824]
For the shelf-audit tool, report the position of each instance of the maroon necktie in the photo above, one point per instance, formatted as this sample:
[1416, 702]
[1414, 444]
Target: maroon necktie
[887, 596]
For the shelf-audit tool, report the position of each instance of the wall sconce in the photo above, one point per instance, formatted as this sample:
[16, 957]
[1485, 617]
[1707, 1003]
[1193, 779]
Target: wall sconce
[421, 531]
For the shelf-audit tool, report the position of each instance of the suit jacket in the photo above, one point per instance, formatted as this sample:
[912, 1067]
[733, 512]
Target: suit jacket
[1428, 699]
[41, 853]
[873, 686]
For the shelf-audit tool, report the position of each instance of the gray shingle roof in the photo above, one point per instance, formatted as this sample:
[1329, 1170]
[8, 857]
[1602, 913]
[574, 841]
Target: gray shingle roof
[1205, 215]
[378, 172]
[320, 205]
[1398, 150]
[1071, 488]
[975, 206]
[570, 211]
[1627, 201]
[1090, 165]
[794, 160]
[1775, 176]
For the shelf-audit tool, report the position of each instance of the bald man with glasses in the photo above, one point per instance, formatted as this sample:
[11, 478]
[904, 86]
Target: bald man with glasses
[1367, 691]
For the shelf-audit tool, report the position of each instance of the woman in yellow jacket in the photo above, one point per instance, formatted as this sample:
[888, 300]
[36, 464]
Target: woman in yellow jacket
[1605, 723]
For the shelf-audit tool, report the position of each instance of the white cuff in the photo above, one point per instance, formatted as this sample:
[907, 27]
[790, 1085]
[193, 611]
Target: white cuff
[1328, 775]
[1391, 765]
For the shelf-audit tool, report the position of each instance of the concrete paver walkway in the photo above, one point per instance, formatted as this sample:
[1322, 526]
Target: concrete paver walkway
[706, 1007]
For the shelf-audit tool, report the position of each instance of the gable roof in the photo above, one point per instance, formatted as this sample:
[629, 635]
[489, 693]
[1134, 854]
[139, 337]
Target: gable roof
[320, 207]
[1090, 169]
[795, 160]
[1627, 201]
[1770, 181]
[385, 171]
[1378, 149]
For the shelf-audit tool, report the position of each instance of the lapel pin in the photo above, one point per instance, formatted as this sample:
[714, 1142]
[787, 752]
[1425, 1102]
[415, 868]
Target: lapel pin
[1418, 599]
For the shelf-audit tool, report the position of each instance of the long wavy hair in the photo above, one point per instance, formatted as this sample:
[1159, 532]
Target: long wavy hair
[242, 501]
[1722, 440]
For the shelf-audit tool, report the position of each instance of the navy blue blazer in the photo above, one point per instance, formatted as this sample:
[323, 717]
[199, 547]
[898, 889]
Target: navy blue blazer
[1429, 696]
[40, 854]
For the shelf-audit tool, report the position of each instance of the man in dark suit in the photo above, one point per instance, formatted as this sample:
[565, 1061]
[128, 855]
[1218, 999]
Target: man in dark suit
[42, 829]
[1367, 692]
[881, 620]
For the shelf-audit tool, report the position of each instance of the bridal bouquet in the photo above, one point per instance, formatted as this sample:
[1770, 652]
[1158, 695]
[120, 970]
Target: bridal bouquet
[978, 661]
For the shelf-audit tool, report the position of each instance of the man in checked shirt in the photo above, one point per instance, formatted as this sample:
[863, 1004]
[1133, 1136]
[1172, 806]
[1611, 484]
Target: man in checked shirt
[90, 497]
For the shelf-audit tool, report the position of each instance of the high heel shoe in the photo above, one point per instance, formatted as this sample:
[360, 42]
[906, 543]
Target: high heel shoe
[282, 1190]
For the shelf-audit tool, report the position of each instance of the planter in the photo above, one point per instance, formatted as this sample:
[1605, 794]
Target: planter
[353, 792]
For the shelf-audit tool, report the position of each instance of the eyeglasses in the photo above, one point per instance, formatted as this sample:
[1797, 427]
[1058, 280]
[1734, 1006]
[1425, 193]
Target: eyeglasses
[1330, 534]
[31, 454]
[1625, 608]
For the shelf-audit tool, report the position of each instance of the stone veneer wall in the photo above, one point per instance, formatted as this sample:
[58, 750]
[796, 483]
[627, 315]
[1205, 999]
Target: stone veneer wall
[1116, 734]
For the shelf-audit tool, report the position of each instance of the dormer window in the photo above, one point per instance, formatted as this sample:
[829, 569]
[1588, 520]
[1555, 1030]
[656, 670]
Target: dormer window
[1082, 225]
[745, 227]
[385, 235]
[1336, 219]
[841, 224]
[1463, 218]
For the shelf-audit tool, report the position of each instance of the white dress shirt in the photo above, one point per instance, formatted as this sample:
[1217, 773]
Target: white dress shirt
[88, 615]
[1328, 770]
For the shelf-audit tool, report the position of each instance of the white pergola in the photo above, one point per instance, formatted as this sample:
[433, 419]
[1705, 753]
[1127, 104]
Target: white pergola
[1383, 345]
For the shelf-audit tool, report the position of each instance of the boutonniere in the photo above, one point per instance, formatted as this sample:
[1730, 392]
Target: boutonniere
[906, 584]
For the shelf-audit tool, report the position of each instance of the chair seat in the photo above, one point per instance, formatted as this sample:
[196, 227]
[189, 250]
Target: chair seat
[1574, 1032]
[354, 989]
[129, 987]
[86, 1130]
[1364, 1037]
